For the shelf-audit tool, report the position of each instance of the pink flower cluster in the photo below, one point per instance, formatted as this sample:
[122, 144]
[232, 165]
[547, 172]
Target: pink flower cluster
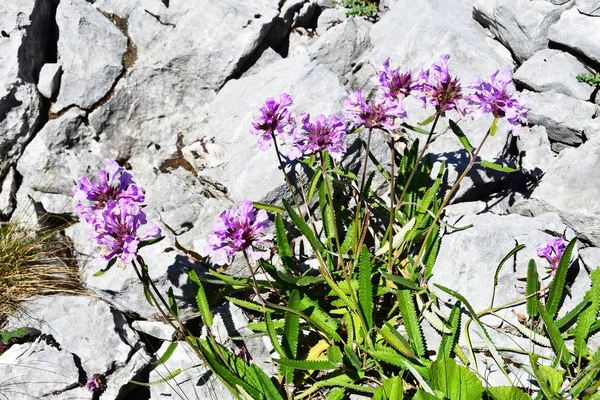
[112, 207]
[552, 253]
[239, 230]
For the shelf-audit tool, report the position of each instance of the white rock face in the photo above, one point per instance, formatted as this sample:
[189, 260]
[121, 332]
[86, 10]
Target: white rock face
[521, 25]
[90, 49]
[554, 71]
[49, 81]
[588, 7]
[571, 188]
[578, 32]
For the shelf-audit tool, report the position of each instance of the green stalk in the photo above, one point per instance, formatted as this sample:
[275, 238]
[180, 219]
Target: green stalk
[287, 180]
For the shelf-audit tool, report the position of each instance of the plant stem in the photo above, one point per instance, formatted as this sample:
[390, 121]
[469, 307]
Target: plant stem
[392, 213]
[360, 197]
[287, 180]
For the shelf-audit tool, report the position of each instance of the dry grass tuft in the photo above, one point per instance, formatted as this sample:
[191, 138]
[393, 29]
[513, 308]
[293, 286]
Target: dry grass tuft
[34, 263]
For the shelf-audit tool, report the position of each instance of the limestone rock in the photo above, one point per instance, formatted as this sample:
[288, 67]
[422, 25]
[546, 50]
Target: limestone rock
[90, 49]
[49, 81]
[571, 189]
[521, 25]
[563, 116]
[329, 18]
[578, 33]
[158, 329]
[554, 71]
[588, 7]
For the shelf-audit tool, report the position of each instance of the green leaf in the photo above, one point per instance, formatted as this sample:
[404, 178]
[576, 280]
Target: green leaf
[541, 379]
[558, 343]
[411, 321]
[484, 334]
[533, 285]
[283, 246]
[314, 182]
[455, 381]
[352, 357]
[173, 307]
[365, 288]
[247, 304]
[308, 365]
[15, 333]
[432, 251]
[336, 394]
[427, 121]
[334, 355]
[571, 315]
[392, 389]
[309, 280]
[557, 287]
[494, 127]
[108, 266]
[201, 300]
[507, 393]
[149, 242]
[291, 329]
[395, 339]
[146, 283]
[461, 136]
[350, 239]
[167, 354]
[582, 383]
[497, 167]
[450, 339]
[388, 355]
[171, 375]
[261, 326]
[304, 228]
[421, 395]
[327, 215]
[401, 281]
[266, 384]
[346, 174]
[552, 376]
[273, 335]
[267, 207]
[589, 316]
[511, 253]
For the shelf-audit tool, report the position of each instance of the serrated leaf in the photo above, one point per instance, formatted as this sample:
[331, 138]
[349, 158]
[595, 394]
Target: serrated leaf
[308, 365]
[304, 228]
[173, 307]
[108, 267]
[397, 239]
[313, 184]
[432, 251]
[388, 355]
[395, 339]
[455, 381]
[401, 281]
[283, 246]
[450, 339]
[588, 316]
[346, 174]
[552, 376]
[557, 287]
[558, 343]
[411, 321]
[248, 304]
[365, 288]
[336, 394]
[352, 357]
[569, 317]
[350, 239]
[461, 136]
[291, 330]
[497, 167]
[267, 207]
[508, 393]
[146, 283]
[392, 389]
[511, 253]
[533, 286]
[167, 354]
[266, 384]
[201, 300]
[273, 335]
[261, 326]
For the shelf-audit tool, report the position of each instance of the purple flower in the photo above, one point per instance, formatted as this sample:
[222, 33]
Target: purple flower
[274, 118]
[239, 230]
[491, 97]
[116, 230]
[394, 84]
[384, 112]
[114, 184]
[324, 134]
[437, 87]
[552, 252]
[95, 383]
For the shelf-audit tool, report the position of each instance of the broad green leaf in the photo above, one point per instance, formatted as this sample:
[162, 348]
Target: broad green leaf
[541, 379]
[334, 355]
[557, 287]
[554, 377]
[497, 167]
[533, 285]
[167, 354]
[341, 172]
[461, 136]
[558, 343]
[421, 395]
[450, 339]
[507, 393]
[411, 321]
[365, 288]
[283, 246]
[455, 381]
[291, 330]
[589, 316]
[392, 389]
[201, 300]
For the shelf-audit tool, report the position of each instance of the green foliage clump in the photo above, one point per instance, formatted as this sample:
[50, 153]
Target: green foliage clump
[361, 8]
[590, 79]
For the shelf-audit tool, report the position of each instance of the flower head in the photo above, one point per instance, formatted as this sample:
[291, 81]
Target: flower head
[324, 134]
[394, 84]
[114, 184]
[491, 97]
[274, 118]
[439, 88]
[239, 230]
[117, 230]
[383, 113]
[552, 252]
[95, 383]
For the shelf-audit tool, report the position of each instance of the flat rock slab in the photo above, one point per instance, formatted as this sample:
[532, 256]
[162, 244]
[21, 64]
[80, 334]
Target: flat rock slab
[578, 33]
[554, 71]
[572, 189]
[90, 49]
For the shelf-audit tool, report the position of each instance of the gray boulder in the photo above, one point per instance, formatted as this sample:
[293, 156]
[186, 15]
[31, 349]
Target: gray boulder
[91, 50]
[588, 7]
[521, 25]
[563, 116]
[49, 81]
[570, 189]
[578, 33]
[329, 18]
[554, 71]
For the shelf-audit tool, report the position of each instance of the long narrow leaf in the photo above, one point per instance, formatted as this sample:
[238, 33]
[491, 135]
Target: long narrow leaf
[201, 300]
[365, 288]
[558, 343]
[589, 316]
[514, 251]
[557, 287]
[291, 330]
[533, 286]
[411, 321]
[283, 246]
[450, 339]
